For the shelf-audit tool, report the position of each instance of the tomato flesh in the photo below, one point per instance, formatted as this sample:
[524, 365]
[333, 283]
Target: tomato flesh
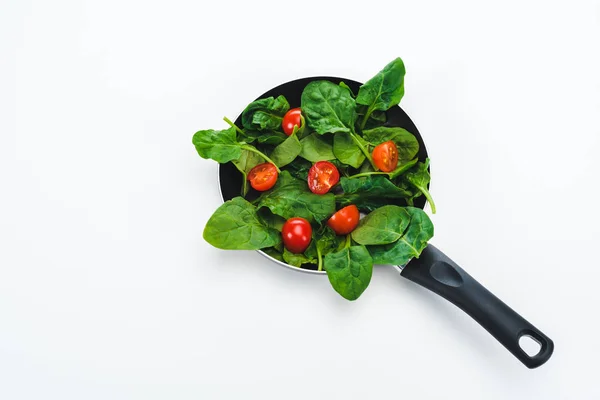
[263, 176]
[322, 176]
[296, 234]
[345, 220]
[291, 119]
[385, 156]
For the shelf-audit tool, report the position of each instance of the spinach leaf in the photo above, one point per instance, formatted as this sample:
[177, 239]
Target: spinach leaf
[376, 119]
[266, 137]
[328, 107]
[291, 197]
[315, 148]
[235, 226]
[244, 164]
[343, 85]
[349, 271]
[382, 226]
[221, 146]
[296, 260]
[411, 244]
[323, 242]
[299, 169]
[270, 220]
[287, 151]
[407, 143]
[419, 177]
[273, 252]
[346, 150]
[369, 192]
[265, 114]
[384, 90]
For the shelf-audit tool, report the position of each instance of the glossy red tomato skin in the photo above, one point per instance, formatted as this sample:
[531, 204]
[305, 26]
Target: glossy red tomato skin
[263, 176]
[322, 176]
[385, 156]
[291, 118]
[345, 220]
[296, 234]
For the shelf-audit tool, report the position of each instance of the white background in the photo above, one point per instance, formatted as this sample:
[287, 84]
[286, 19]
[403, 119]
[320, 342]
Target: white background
[108, 291]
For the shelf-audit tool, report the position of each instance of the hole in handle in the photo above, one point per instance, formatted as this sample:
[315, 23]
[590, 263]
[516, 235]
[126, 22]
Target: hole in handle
[530, 345]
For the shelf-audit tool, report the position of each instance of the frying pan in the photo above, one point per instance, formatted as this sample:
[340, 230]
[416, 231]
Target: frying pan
[433, 269]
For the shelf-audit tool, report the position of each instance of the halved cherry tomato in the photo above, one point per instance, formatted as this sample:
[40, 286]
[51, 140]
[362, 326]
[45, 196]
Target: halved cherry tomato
[296, 234]
[263, 176]
[322, 176]
[385, 156]
[345, 220]
[290, 119]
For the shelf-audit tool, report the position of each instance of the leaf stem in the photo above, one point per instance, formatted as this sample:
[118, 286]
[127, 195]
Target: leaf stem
[233, 125]
[366, 118]
[428, 197]
[363, 149]
[255, 150]
[348, 241]
[368, 174]
[320, 258]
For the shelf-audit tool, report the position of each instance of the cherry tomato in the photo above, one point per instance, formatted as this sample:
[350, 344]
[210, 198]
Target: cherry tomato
[385, 156]
[345, 220]
[322, 176]
[263, 176]
[290, 119]
[296, 234]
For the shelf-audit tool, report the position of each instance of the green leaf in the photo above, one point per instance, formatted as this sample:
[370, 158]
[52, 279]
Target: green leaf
[418, 176]
[266, 137]
[376, 119]
[349, 271]
[291, 198]
[315, 148]
[382, 226]
[407, 143]
[270, 220]
[265, 114]
[346, 150]
[287, 151]
[299, 169]
[343, 85]
[296, 260]
[328, 107]
[221, 146]
[384, 90]
[235, 226]
[369, 192]
[411, 244]
[244, 164]
[273, 252]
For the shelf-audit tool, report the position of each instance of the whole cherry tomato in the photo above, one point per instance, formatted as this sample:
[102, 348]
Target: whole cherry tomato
[385, 156]
[345, 220]
[291, 118]
[322, 176]
[263, 176]
[296, 234]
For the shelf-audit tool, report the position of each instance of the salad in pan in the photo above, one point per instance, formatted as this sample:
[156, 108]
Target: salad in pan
[312, 171]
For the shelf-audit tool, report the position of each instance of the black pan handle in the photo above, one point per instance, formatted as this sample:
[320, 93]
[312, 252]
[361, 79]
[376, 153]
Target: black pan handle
[438, 273]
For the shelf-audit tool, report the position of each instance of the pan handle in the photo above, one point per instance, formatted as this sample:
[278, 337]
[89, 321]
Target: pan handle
[437, 272]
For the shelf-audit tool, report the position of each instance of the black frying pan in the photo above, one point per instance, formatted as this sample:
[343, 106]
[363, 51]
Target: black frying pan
[433, 269]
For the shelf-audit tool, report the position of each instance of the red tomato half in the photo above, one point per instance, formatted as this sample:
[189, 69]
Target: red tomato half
[291, 118]
[263, 176]
[296, 234]
[345, 220]
[385, 156]
[322, 176]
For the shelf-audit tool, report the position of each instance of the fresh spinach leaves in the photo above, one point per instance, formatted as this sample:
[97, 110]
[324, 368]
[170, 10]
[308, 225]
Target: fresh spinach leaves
[265, 114]
[236, 226]
[349, 271]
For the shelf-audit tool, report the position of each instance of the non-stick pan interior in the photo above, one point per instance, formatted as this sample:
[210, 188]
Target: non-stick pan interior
[230, 179]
